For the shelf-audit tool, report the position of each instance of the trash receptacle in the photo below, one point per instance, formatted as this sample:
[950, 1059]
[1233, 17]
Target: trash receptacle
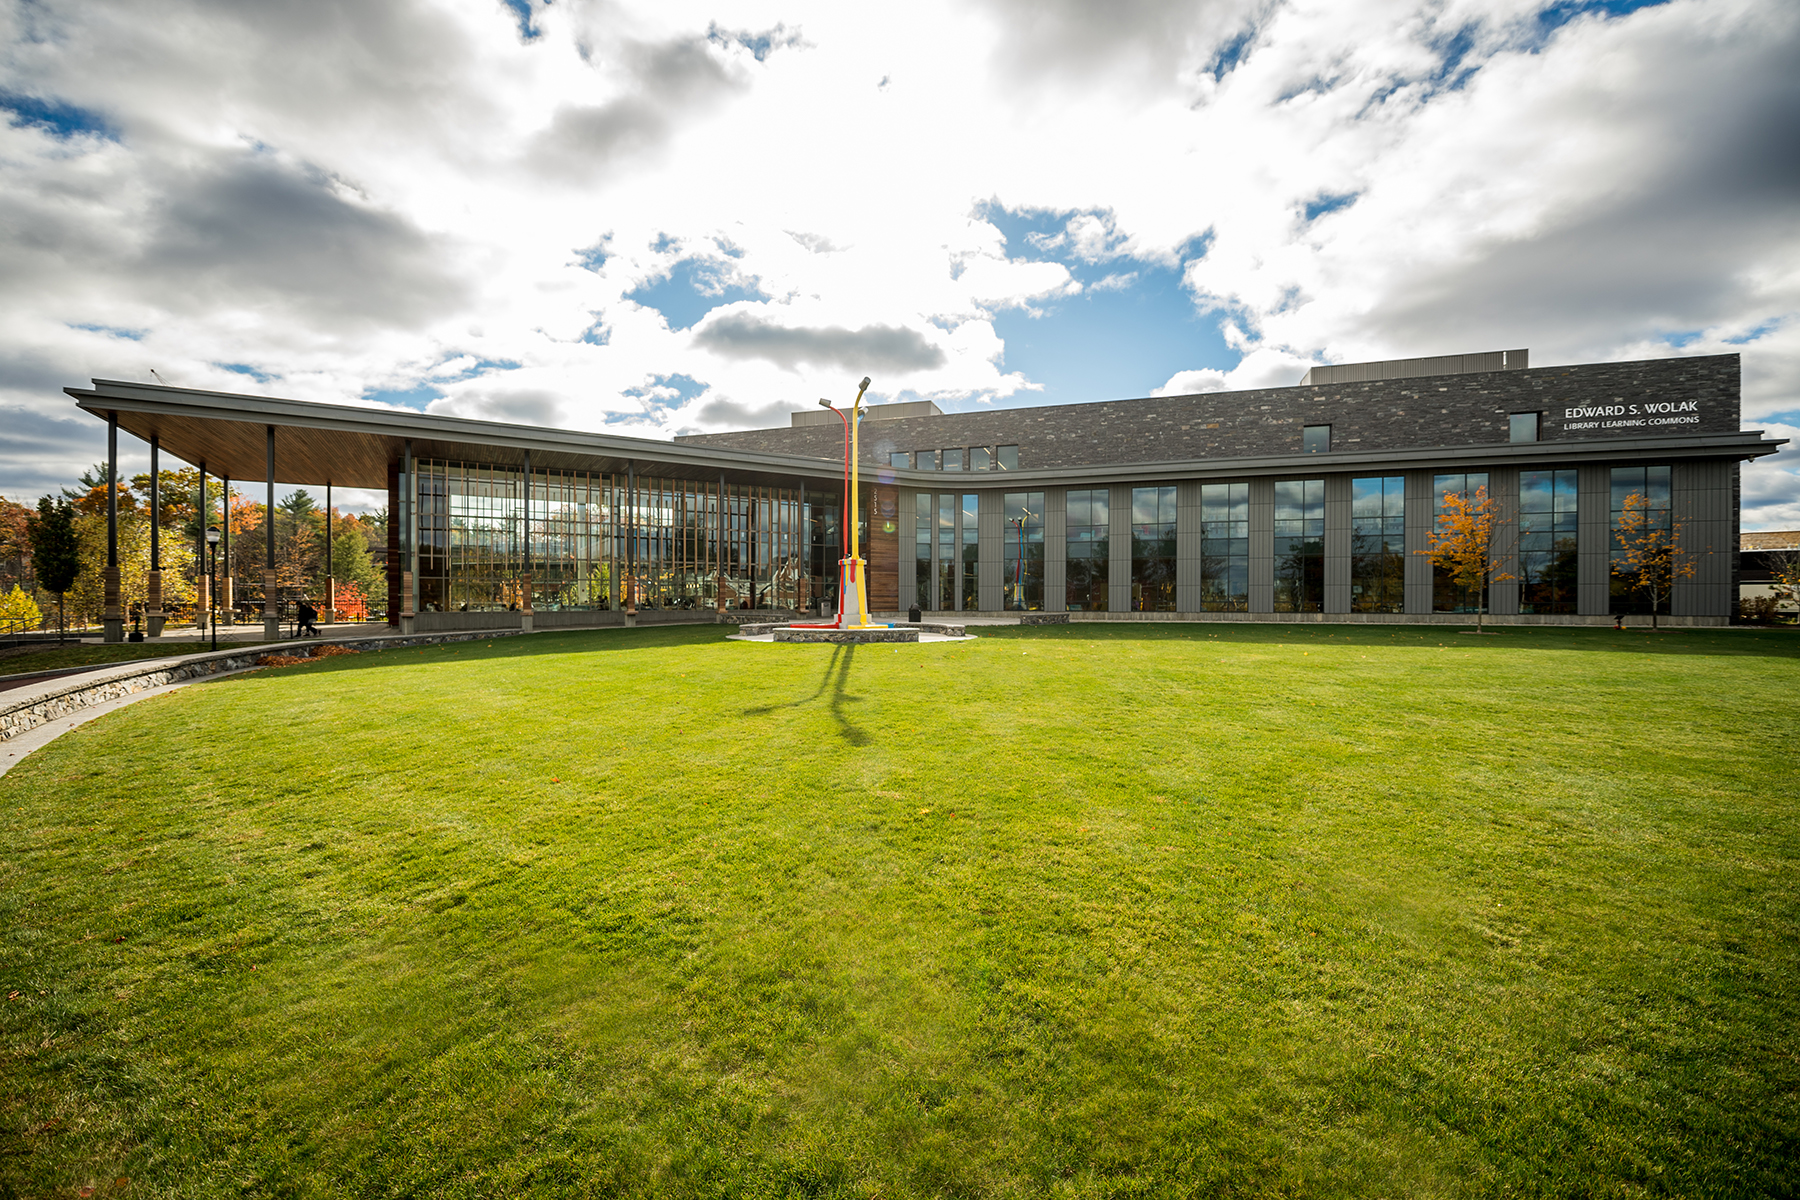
[913, 614]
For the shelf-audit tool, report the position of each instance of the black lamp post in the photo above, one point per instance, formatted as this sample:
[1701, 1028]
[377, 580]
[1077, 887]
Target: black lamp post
[212, 580]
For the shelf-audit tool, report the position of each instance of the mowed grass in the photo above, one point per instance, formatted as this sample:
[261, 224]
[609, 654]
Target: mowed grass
[1113, 910]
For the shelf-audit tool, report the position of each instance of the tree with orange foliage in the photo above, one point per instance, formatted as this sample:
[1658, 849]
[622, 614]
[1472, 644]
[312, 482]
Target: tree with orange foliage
[1462, 542]
[1649, 557]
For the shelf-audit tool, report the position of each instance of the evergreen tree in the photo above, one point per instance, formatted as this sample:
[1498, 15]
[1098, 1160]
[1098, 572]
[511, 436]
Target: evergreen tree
[55, 554]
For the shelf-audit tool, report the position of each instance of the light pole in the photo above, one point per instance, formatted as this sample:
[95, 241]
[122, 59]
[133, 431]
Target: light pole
[852, 595]
[212, 580]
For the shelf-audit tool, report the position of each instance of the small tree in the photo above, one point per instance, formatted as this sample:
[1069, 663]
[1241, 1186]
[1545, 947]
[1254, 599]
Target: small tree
[1784, 573]
[1462, 542]
[55, 553]
[17, 607]
[1650, 557]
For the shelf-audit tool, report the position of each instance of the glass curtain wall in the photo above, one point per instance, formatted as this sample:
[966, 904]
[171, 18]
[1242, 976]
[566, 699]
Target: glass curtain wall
[1153, 549]
[1547, 541]
[1378, 544]
[971, 552]
[1299, 545]
[922, 523]
[946, 522]
[1023, 569]
[1446, 595]
[681, 541]
[1652, 483]
[1089, 535]
[1225, 547]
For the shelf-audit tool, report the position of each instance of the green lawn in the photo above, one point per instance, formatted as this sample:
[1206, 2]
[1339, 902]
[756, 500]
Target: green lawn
[1121, 910]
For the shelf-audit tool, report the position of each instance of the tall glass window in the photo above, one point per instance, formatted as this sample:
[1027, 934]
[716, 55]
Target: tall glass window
[1089, 534]
[922, 523]
[1446, 595]
[1299, 545]
[1547, 538]
[1378, 544]
[971, 553]
[1153, 549]
[1225, 547]
[946, 526]
[1652, 483]
[1023, 569]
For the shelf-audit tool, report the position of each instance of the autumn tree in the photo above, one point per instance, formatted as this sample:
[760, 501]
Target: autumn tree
[17, 608]
[15, 543]
[55, 553]
[88, 592]
[1462, 543]
[1648, 556]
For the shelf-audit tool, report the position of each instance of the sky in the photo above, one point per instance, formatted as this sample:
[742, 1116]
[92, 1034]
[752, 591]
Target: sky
[655, 219]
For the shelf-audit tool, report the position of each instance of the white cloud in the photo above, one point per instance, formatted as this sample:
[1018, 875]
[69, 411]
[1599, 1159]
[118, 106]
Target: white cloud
[347, 197]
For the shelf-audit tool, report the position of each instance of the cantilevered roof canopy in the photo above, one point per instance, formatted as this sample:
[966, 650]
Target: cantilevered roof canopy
[348, 446]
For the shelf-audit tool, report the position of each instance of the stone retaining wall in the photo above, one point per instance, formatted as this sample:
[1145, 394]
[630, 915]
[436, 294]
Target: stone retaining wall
[27, 708]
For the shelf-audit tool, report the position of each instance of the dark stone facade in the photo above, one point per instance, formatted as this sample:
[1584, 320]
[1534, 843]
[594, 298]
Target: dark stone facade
[1675, 396]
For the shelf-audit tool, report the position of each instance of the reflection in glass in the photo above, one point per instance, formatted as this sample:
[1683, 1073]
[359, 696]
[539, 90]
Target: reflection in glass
[953, 460]
[1652, 483]
[1088, 537]
[684, 544]
[979, 458]
[1153, 549]
[971, 553]
[1446, 594]
[1378, 544]
[1547, 541]
[1024, 563]
[1007, 457]
[946, 523]
[1299, 545]
[922, 549]
[1225, 547]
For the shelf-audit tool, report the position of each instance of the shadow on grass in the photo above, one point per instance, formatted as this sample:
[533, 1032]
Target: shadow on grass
[837, 674]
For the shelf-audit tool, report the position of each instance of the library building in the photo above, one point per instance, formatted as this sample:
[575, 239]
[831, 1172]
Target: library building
[1313, 502]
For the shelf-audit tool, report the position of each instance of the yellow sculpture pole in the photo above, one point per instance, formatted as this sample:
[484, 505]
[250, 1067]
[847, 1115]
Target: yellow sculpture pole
[856, 562]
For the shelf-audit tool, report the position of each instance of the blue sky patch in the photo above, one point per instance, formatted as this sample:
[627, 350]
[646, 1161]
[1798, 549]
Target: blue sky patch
[1322, 204]
[686, 387]
[594, 257]
[245, 369]
[414, 397]
[1109, 341]
[691, 289]
[135, 335]
[521, 10]
[58, 118]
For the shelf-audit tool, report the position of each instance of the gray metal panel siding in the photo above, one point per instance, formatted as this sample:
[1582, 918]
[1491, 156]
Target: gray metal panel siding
[1704, 508]
[992, 519]
[1118, 564]
[1262, 545]
[1419, 516]
[1337, 544]
[1056, 550]
[909, 549]
[1187, 547]
[1593, 559]
[1503, 594]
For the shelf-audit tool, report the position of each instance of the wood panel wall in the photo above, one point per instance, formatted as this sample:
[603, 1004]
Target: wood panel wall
[884, 550]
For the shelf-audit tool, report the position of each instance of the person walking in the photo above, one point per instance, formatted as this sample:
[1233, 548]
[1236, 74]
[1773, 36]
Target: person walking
[307, 614]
